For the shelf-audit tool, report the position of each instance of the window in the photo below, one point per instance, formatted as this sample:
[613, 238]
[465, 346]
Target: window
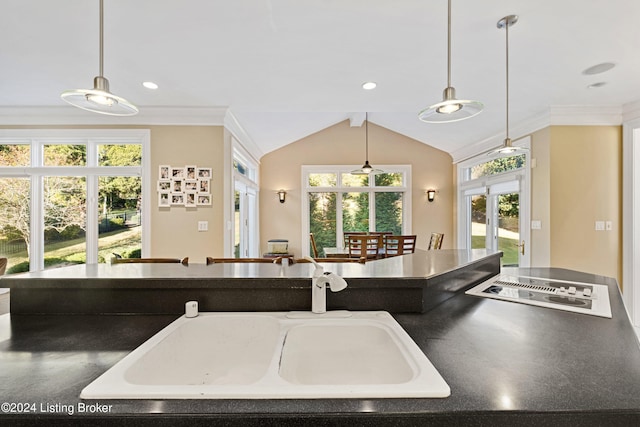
[72, 196]
[339, 202]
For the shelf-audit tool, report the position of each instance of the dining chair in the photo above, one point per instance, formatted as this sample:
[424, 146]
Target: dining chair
[400, 245]
[183, 261]
[314, 248]
[276, 260]
[347, 234]
[3, 265]
[435, 242]
[381, 235]
[365, 246]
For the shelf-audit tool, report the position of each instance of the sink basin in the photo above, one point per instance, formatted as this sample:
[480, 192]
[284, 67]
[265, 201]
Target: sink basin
[274, 356]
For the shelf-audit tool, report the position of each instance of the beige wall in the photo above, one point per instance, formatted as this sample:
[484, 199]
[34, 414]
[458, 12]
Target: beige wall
[175, 230]
[345, 145]
[580, 169]
[540, 198]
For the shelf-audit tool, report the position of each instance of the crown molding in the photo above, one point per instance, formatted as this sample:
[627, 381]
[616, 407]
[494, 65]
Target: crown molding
[63, 115]
[559, 115]
[517, 132]
[585, 115]
[631, 111]
[232, 124]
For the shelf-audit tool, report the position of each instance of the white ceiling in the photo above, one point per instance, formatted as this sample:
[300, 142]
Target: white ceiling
[289, 68]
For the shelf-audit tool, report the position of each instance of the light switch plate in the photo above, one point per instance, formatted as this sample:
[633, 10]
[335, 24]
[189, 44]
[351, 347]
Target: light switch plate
[608, 225]
[536, 225]
[203, 225]
[599, 225]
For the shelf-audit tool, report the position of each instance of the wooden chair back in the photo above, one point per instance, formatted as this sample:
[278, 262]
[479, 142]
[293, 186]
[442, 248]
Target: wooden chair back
[211, 260]
[348, 234]
[435, 242]
[400, 245]
[3, 265]
[360, 260]
[363, 246]
[314, 248]
[183, 261]
[381, 235]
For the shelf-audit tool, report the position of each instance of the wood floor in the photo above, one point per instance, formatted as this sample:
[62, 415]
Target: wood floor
[4, 303]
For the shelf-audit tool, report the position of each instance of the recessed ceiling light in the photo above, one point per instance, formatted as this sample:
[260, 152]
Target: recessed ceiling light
[369, 85]
[599, 68]
[150, 85]
[595, 85]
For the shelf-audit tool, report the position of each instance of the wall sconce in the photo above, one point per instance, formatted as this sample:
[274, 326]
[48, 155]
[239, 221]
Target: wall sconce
[282, 195]
[431, 195]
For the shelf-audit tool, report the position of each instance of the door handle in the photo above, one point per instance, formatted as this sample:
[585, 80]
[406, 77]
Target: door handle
[521, 246]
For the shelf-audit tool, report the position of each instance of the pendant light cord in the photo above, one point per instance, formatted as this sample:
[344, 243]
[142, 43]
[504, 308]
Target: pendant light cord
[507, 75]
[366, 135]
[101, 39]
[449, 45]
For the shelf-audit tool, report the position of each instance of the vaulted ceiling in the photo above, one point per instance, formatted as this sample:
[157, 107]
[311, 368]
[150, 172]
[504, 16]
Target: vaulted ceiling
[284, 69]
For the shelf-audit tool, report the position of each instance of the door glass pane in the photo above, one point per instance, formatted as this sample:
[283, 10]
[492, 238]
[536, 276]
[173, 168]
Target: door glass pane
[15, 223]
[389, 212]
[65, 209]
[322, 218]
[119, 218]
[509, 227]
[497, 166]
[478, 221]
[355, 211]
[237, 221]
[65, 155]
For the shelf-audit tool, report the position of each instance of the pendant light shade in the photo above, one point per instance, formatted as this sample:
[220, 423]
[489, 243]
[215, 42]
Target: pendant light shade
[99, 99]
[366, 169]
[507, 146]
[450, 109]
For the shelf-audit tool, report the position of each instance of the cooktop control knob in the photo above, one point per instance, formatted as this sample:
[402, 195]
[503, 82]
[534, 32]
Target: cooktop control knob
[586, 292]
[572, 290]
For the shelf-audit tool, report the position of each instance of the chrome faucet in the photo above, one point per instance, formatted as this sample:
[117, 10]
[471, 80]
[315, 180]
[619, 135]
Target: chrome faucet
[319, 284]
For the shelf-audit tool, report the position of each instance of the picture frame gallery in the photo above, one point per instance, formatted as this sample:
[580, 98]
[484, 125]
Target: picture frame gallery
[188, 186]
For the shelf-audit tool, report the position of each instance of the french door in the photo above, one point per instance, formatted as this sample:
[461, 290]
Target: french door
[246, 221]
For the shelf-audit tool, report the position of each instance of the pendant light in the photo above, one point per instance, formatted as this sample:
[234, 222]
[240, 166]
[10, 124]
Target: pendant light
[366, 169]
[450, 109]
[99, 99]
[507, 146]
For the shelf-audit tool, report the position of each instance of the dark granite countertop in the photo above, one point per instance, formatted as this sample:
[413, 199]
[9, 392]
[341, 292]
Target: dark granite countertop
[506, 363]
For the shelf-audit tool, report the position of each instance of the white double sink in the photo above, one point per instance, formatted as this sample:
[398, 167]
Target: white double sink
[264, 355]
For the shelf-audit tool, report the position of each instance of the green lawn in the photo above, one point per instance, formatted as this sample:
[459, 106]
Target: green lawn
[74, 251]
[509, 248]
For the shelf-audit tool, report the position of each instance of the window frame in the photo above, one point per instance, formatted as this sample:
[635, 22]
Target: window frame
[36, 171]
[371, 188]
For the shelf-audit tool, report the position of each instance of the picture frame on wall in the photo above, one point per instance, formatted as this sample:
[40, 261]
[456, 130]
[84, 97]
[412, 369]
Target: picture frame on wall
[190, 172]
[164, 185]
[164, 172]
[203, 199]
[177, 173]
[190, 185]
[176, 186]
[164, 199]
[190, 199]
[204, 186]
[177, 199]
[204, 173]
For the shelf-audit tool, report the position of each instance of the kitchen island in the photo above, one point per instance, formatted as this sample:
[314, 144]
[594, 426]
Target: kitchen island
[506, 363]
